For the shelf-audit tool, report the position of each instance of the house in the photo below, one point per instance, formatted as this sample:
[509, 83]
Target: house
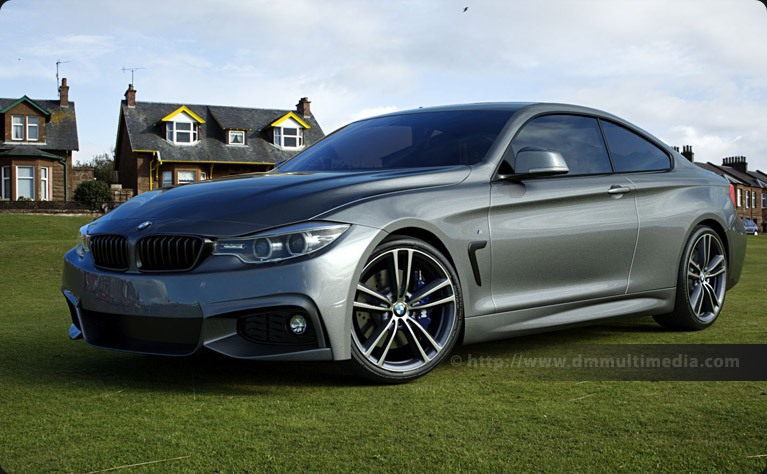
[161, 144]
[39, 137]
[750, 186]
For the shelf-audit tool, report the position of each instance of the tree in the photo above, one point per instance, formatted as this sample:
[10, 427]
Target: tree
[103, 167]
[93, 192]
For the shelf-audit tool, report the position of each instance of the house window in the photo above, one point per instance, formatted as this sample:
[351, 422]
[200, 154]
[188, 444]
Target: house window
[764, 200]
[185, 176]
[25, 182]
[181, 132]
[740, 197]
[18, 127]
[32, 127]
[167, 178]
[748, 199]
[288, 137]
[203, 175]
[753, 199]
[236, 137]
[6, 184]
[44, 185]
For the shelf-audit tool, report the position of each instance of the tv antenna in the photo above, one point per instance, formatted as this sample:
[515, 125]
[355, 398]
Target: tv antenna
[132, 70]
[57, 71]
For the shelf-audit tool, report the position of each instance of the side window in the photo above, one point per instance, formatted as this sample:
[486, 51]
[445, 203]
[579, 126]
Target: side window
[577, 138]
[630, 152]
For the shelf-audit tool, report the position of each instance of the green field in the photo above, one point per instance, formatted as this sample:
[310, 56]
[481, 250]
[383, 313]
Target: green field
[68, 407]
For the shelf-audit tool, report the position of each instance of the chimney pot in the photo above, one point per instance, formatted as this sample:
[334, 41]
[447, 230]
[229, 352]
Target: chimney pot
[64, 93]
[130, 96]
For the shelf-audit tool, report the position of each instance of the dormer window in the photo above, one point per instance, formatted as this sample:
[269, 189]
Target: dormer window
[182, 126]
[181, 132]
[236, 137]
[289, 137]
[33, 131]
[288, 131]
[18, 127]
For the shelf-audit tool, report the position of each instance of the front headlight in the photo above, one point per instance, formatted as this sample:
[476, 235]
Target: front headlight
[281, 244]
[83, 246]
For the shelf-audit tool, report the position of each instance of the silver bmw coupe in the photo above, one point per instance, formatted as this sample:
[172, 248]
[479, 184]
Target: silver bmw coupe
[397, 237]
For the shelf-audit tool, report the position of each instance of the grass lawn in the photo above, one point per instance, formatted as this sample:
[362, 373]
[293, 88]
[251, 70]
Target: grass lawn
[68, 407]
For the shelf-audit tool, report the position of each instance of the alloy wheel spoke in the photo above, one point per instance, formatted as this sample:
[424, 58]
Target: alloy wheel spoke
[717, 272]
[389, 344]
[712, 298]
[408, 269]
[695, 265]
[449, 299]
[696, 298]
[370, 307]
[436, 285]
[376, 337]
[367, 290]
[393, 268]
[715, 263]
[706, 249]
[414, 341]
[414, 323]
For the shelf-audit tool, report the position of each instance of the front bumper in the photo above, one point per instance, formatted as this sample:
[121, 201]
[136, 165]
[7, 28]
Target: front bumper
[222, 305]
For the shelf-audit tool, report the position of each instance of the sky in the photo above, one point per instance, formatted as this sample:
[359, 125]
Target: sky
[691, 72]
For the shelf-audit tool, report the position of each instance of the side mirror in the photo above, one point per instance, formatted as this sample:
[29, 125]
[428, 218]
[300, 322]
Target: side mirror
[537, 162]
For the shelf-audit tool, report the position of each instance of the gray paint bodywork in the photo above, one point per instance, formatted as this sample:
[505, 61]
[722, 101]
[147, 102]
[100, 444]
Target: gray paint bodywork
[557, 250]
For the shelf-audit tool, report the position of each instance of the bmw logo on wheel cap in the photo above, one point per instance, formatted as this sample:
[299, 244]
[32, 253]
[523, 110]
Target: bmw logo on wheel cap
[143, 225]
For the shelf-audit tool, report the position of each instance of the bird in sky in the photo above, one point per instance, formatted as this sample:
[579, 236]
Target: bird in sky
[465, 9]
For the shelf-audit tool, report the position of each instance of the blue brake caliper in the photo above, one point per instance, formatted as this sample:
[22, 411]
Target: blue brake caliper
[422, 316]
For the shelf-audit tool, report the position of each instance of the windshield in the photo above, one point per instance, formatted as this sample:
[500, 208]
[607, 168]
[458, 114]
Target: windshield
[415, 140]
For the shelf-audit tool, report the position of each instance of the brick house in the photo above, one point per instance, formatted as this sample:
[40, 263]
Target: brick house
[162, 144]
[750, 186]
[39, 137]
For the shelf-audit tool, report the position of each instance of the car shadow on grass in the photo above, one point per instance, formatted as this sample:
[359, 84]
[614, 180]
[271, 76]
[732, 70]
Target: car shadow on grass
[75, 362]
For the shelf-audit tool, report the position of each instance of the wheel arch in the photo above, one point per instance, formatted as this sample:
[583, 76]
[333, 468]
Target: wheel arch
[433, 240]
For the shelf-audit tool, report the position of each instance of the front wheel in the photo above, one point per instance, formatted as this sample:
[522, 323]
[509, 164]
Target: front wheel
[407, 312]
[701, 284]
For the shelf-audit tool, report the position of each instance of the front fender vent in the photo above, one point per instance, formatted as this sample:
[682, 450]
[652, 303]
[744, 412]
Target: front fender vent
[157, 253]
[110, 251]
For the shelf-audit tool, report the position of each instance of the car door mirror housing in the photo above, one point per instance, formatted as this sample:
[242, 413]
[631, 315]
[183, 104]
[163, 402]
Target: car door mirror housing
[537, 162]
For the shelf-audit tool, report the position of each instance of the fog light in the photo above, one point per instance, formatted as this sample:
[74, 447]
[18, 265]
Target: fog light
[297, 324]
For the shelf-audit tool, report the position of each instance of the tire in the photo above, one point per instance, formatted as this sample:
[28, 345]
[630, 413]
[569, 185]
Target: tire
[701, 283]
[407, 314]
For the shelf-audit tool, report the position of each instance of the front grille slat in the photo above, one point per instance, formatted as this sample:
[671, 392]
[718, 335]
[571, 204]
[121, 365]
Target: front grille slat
[168, 252]
[110, 251]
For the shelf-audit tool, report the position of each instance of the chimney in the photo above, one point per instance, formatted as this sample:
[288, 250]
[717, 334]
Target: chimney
[303, 107]
[687, 153]
[130, 96]
[64, 93]
[736, 162]
[676, 148]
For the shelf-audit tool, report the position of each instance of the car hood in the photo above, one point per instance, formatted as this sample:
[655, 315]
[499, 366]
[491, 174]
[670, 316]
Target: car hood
[249, 203]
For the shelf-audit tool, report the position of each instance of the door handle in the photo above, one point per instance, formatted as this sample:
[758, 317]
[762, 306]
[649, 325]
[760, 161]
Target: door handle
[618, 189]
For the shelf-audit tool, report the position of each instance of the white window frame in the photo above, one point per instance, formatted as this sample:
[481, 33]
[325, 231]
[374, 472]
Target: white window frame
[279, 137]
[17, 127]
[33, 127]
[748, 199]
[233, 133]
[203, 175]
[739, 193]
[167, 178]
[764, 200]
[6, 183]
[178, 176]
[753, 199]
[172, 132]
[45, 184]
[18, 178]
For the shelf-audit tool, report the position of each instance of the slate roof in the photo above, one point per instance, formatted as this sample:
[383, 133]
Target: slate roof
[60, 128]
[744, 178]
[146, 132]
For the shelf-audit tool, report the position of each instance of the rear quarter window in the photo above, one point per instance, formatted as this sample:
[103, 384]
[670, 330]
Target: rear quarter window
[631, 152]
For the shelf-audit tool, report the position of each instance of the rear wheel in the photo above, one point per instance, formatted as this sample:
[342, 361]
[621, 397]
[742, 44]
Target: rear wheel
[701, 284]
[407, 312]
